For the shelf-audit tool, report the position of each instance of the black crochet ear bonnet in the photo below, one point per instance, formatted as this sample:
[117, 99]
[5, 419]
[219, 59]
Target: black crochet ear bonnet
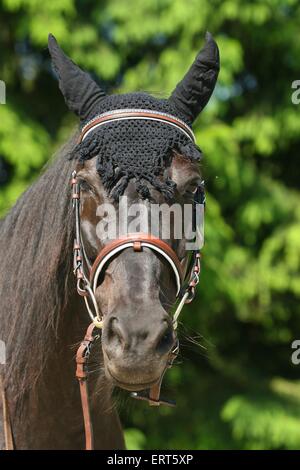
[137, 150]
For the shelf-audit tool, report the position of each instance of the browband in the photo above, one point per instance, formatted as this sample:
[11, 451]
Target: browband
[126, 114]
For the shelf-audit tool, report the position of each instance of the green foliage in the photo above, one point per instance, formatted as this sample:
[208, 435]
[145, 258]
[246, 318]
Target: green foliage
[238, 388]
[276, 423]
[134, 439]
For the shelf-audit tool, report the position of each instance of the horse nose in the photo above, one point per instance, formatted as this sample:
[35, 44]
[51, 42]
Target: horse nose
[122, 337]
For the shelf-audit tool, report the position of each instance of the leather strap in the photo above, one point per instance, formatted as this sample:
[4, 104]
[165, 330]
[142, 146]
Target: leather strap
[8, 435]
[154, 391]
[82, 357]
[153, 395]
[126, 114]
[137, 241]
[88, 426]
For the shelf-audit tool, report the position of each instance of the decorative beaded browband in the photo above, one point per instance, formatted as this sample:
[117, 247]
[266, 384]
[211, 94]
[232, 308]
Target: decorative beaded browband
[140, 114]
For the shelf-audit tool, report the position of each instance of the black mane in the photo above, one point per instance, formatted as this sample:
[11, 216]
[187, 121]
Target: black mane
[35, 271]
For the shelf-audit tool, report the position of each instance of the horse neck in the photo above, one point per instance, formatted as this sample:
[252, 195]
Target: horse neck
[42, 317]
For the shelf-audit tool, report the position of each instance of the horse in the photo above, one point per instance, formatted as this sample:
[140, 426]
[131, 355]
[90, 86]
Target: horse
[42, 317]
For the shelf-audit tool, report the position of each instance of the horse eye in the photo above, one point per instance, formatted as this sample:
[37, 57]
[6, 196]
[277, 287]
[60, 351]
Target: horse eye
[85, 186]
[191, 188]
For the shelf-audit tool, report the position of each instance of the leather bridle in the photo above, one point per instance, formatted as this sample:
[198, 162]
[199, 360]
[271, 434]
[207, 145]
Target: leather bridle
[88, 283]
[88, 275]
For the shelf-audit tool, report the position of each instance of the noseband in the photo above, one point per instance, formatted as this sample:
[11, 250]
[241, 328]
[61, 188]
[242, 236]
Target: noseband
[136, 241]
[87, 282]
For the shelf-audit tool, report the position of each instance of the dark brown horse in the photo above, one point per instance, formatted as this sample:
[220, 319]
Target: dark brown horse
[42, 318]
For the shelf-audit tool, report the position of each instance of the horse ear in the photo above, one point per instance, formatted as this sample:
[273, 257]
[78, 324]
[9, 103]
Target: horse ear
[82, 95]
[193, 92]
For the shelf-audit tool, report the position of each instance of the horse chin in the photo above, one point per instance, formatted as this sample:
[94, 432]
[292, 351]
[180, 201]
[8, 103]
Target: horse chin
[135, 386]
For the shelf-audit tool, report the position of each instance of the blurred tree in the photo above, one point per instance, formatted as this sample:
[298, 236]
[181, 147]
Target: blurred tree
[237, 388]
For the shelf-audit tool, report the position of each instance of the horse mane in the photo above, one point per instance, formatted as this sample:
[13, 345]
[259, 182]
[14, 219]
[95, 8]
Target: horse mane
[36, 271]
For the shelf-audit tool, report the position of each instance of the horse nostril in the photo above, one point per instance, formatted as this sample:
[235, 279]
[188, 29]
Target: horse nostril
[165, 340]
[115, 332]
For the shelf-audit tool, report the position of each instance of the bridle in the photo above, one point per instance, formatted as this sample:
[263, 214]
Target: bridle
[87, 275]
[87, 283]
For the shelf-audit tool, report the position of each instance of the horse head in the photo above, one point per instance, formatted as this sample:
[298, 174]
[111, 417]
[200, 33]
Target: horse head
[146, 159]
